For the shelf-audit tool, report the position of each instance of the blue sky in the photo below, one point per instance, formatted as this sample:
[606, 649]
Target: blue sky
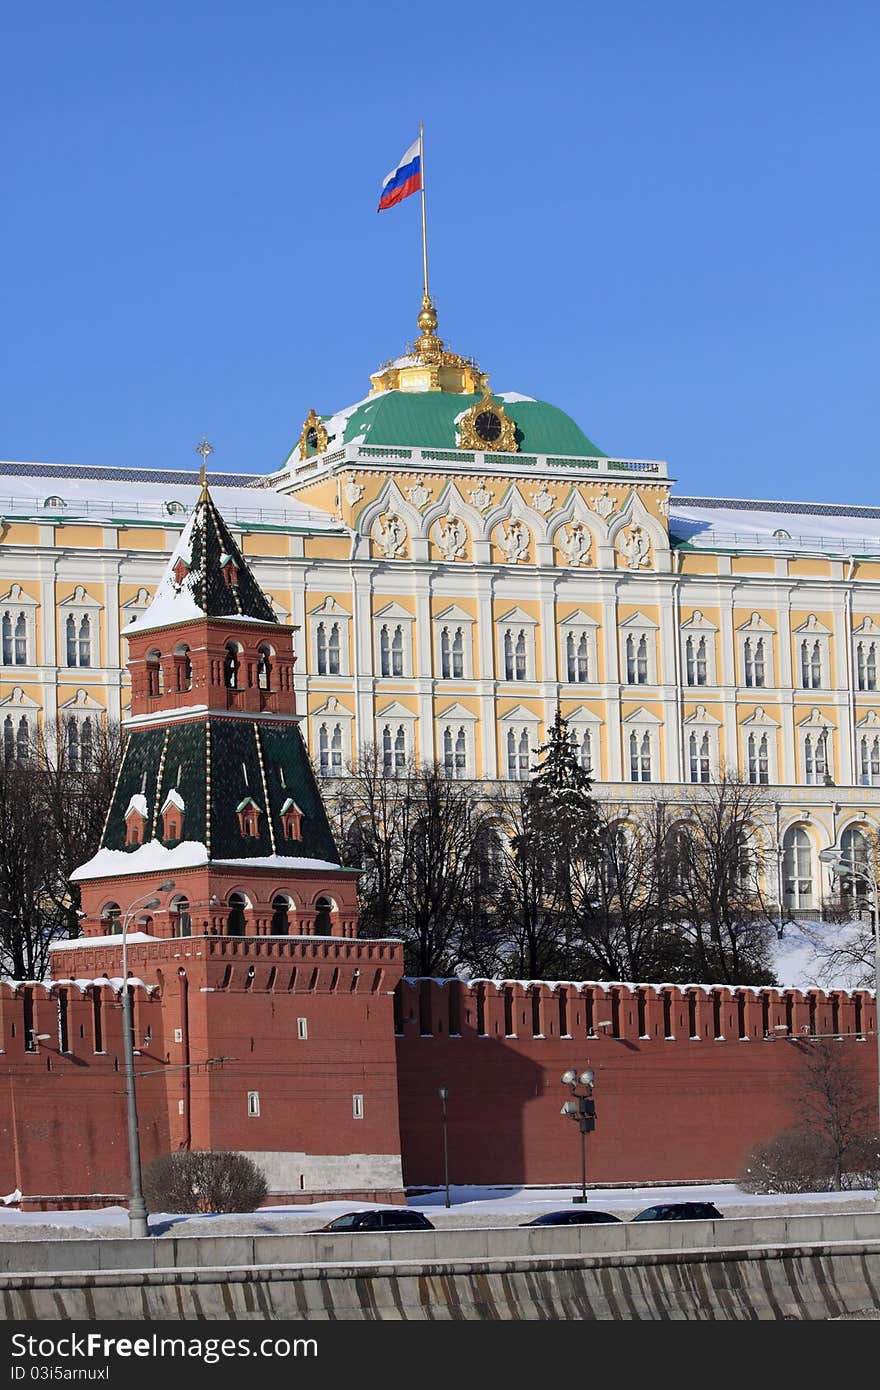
[663, 218]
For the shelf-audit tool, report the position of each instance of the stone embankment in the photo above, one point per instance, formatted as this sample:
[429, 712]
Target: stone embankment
[803, 1267]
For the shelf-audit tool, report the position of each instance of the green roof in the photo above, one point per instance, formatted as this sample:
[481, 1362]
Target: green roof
[175, 756]
[428, 420]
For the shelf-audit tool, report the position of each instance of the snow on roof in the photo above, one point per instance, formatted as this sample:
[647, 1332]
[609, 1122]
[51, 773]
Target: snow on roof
[138, 803]
[73, 944]
[781, 527]
[26, 487]
[154, 857]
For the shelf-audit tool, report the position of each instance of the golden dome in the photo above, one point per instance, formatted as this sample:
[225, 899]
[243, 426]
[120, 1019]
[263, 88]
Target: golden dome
[428, 365]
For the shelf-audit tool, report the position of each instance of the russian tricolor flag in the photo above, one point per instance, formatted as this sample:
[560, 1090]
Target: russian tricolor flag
[404, 180]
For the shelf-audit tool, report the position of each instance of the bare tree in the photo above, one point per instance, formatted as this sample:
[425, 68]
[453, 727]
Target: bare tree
[51, 817]
[832, 1101]
[376, 809]
[715, 863]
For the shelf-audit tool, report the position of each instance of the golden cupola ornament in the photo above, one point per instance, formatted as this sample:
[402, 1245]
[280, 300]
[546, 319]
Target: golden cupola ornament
[428, 365]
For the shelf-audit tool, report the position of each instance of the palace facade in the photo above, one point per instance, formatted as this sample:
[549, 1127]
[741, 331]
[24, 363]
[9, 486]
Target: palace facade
[457, 562]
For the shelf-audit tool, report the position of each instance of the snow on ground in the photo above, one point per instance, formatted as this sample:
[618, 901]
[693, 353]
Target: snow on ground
[471, 1206]
[798, 956]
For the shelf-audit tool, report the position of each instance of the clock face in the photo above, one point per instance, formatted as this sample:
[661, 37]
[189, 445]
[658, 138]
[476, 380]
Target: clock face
[488, 426]
[312, 438]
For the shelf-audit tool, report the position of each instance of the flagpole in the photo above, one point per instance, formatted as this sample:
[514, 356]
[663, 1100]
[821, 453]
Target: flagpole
[424, 217]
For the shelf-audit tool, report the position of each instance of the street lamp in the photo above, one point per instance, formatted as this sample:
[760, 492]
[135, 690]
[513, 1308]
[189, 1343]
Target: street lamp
[443, 1093]
[583, 1109]
[842, 865]
[137, 1207]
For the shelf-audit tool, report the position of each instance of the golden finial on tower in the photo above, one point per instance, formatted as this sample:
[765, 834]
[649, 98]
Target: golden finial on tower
[205, 449]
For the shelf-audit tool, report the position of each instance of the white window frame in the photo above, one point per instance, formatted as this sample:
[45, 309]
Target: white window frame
[516, 622]
[812, 648]
[78, 606]
[302, 1029]
[17, 604]
[396, 717]
[457, 720]
[579, 627]
[253, 1105]
[392, 616]
[695, 629]
[756, 629]
[756, 726]
[641, 723]
[866, 644]
[357, 1107]
[704, 727]
[636, 629]
[868, 751]
[583, 721]
[331, 714]
[329, 613]
[519, 721]
[451, 619]
[794, 897]
[816, 750]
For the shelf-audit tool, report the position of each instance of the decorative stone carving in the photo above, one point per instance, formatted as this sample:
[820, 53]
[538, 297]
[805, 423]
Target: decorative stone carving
[635, 547]
[352, 492]
[514, 542]
[542, 500]
[602, 504]
[575, 545]
[480, 498]
[418, 494]
[453, 538]
[392, 536]
[664, 506]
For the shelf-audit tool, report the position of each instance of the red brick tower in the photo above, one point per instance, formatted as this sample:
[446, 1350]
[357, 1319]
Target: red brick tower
[218, 858]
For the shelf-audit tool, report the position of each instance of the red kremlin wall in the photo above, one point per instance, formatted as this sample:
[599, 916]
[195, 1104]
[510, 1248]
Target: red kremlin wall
[687, 1079]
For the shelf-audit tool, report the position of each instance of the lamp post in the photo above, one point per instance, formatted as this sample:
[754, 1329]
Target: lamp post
[583, 1109]
[841, 865]
[443, 1093]
[137, 1207]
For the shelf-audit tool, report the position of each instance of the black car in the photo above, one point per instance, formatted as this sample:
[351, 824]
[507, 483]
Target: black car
[394, 1220]
[681, 1211]
[584, 1217]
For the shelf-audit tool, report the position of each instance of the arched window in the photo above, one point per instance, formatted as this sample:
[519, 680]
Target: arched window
[640, 756]
[111, 919]
[854, 848]
[699, 757]
[869, 760]
[333, 651]
[87, 746]
[753, 658]
[323, 920]
[231, 665]
[155, 674]
[758, 758]
[321, 649]
[797, 869]
[235, 921]
[8, 742]
[264, 667]
[280, 915]
[181, 921]
[183, 665]
[508, 655]
[84, 643]
[521, 656]
[454, 753]
[20, 640]
[23, 741]
[695, 661]
[679, 858]
[73, 745]
[397, 651]
[70, 630]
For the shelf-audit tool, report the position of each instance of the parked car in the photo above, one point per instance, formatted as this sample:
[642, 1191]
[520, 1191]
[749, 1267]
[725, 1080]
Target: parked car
[395, 1219]
[681, 1211]
[583, 1217]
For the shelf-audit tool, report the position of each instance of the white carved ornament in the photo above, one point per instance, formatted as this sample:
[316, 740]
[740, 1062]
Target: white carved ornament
[452, 538]
[575, 545]
[392, 536]
[635, 547]
[514, 542]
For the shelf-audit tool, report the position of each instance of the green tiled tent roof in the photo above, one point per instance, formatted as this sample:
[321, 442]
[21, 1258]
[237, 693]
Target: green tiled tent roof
[428, 420]
[175, 758]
